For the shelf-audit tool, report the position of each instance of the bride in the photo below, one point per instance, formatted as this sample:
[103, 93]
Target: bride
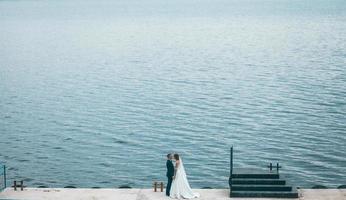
[180, 187]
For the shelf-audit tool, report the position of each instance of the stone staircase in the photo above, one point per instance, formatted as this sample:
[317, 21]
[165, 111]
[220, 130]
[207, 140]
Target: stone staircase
[260, 183]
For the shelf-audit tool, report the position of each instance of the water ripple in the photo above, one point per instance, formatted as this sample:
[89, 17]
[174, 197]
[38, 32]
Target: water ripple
[101, 99]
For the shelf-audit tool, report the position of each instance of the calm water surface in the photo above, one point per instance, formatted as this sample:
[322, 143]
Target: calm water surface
[95, 93]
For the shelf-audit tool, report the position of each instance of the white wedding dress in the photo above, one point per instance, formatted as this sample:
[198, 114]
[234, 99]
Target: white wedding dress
[180, 187]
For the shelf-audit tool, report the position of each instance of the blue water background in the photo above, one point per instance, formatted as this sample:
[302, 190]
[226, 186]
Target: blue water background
[95, 93]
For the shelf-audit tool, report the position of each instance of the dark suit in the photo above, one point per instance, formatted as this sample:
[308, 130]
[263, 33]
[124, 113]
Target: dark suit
[170, 174]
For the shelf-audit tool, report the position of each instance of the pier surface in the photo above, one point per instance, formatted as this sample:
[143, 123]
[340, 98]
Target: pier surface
[147, 194]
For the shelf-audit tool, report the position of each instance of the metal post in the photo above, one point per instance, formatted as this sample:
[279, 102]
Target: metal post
[278, 167]
[231, 171]
[155, 186]
[5, 176]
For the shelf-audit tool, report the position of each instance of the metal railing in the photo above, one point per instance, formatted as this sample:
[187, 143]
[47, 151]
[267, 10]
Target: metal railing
[231, 170]
[2, 177]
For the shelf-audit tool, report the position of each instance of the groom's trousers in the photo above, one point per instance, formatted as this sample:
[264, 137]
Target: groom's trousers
[169, 184]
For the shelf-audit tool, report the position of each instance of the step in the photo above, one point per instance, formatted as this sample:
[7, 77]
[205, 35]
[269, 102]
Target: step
[261, 188]
[247, 181]
[254, 174]
[265, 194]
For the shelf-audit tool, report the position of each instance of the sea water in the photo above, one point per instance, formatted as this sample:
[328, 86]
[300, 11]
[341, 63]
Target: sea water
[96, 93]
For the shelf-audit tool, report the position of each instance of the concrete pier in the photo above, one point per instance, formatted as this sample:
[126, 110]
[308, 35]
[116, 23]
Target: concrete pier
[147, 194]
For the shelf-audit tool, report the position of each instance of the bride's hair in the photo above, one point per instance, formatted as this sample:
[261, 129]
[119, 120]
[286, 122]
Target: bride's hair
[176, 156]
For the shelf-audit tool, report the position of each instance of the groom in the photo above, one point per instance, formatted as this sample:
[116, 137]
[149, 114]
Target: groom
[170, 173]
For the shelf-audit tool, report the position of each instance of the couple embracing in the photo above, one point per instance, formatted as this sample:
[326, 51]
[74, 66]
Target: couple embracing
[178, 186]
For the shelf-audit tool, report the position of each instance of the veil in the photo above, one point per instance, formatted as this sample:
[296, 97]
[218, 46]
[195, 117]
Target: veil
[182, 168]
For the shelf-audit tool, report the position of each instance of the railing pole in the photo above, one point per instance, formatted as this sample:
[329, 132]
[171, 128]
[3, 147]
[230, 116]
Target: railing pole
[231, 170]
[231, 161]
[5, 176]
